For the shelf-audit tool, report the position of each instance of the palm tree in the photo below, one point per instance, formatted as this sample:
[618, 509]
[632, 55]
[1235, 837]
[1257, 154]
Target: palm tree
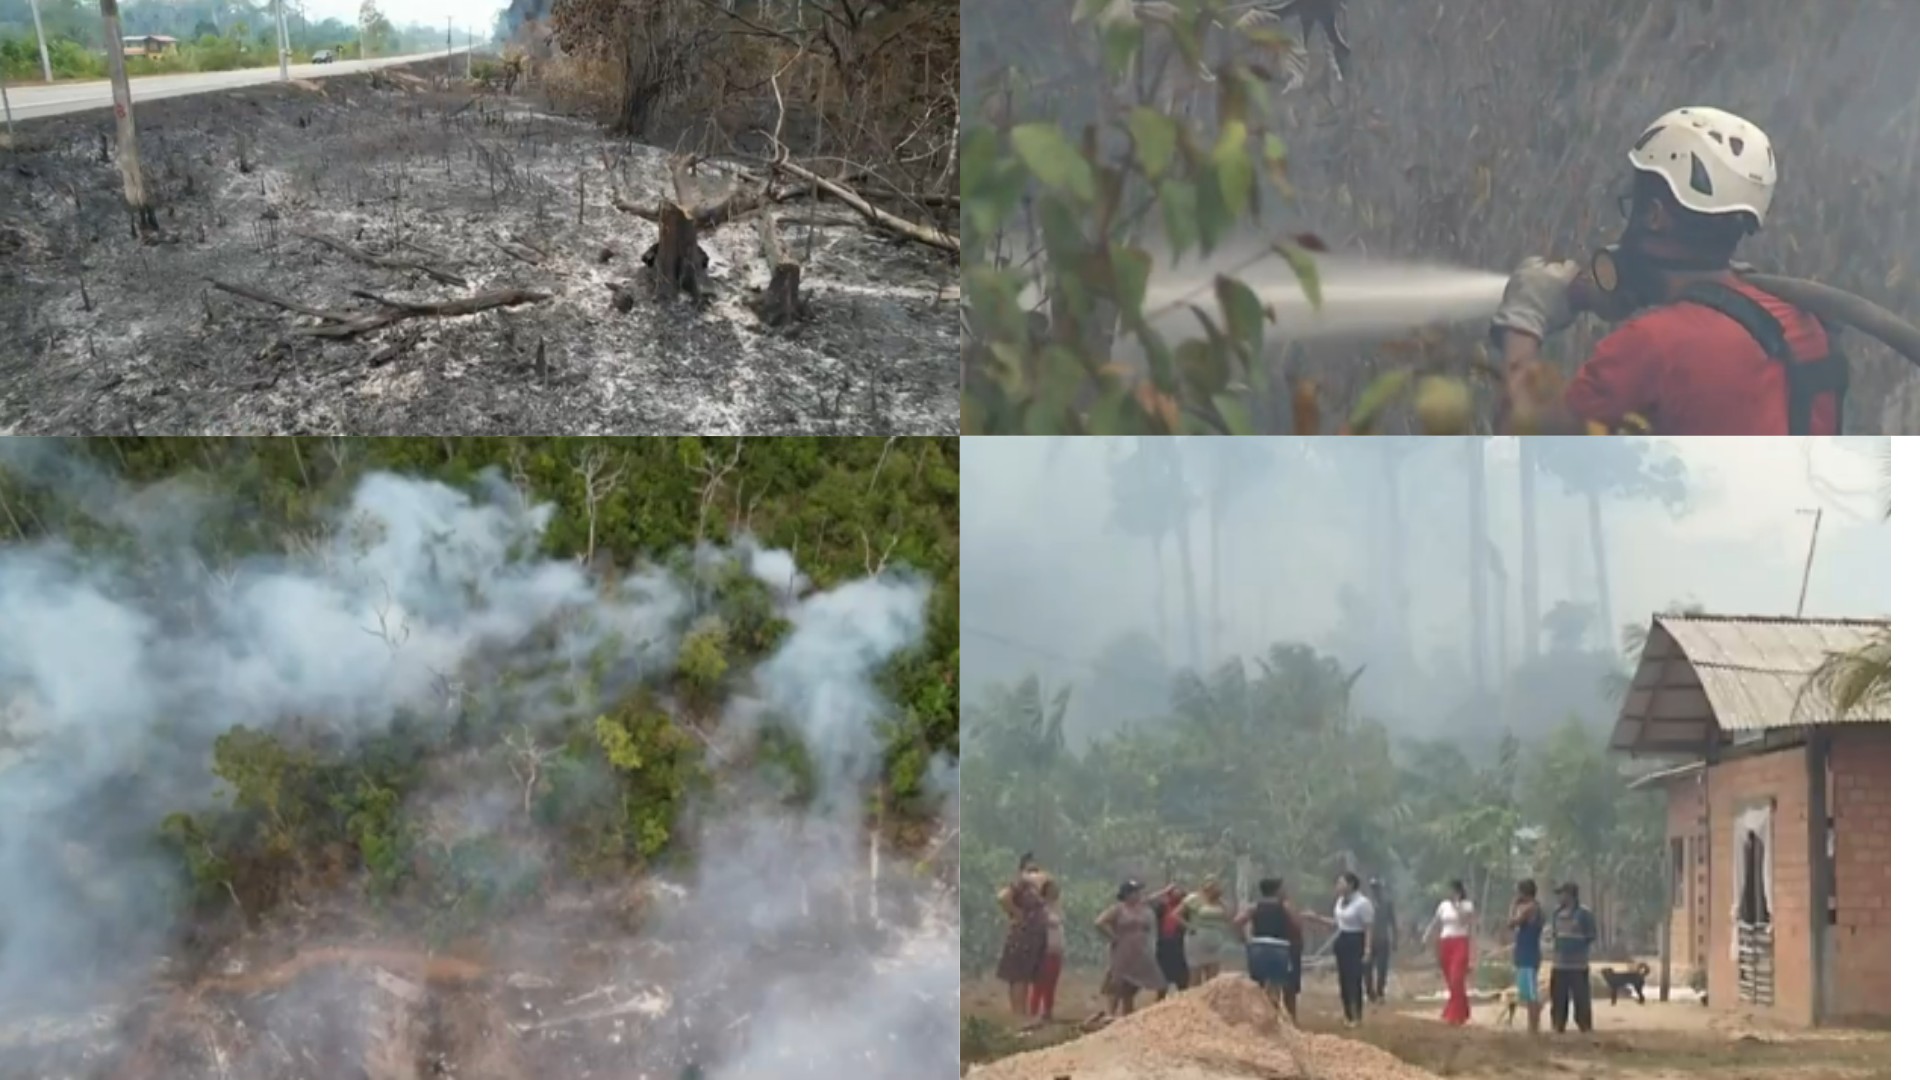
[1599, 469]
[1141, 509]
[1858, 680]
[1633, 642]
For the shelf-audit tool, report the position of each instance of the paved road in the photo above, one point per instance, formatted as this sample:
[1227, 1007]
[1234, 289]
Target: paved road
[32, 102]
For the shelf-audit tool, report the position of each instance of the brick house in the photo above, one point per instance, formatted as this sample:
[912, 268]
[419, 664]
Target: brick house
[1778, 821]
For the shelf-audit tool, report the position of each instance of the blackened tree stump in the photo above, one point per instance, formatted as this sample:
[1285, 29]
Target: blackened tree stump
[779, 304]
[679, 264]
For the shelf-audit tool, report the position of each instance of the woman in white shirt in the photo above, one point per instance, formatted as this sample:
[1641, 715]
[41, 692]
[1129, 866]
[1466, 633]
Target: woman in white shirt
[1352, 924]
[1454, 922]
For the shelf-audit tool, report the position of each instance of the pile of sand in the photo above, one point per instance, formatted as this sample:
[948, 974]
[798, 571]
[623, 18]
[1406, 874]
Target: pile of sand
[1224, 1029]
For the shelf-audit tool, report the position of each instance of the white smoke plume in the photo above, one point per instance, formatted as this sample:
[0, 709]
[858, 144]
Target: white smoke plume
[117, 671]
[122, 673]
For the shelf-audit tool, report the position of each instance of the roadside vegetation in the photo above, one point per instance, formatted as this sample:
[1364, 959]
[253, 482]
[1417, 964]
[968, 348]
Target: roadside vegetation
[210, 38]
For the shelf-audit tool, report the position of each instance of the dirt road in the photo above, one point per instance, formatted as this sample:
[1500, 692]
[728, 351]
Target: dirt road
[101, 334]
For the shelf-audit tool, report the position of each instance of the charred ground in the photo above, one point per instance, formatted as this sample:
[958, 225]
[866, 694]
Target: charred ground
[481, 193]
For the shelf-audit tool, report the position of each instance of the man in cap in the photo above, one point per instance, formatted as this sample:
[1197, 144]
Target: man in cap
[1573, 934]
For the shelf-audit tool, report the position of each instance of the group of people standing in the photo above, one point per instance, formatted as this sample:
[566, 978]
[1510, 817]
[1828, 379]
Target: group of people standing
[1171, 939]
[1573, 932]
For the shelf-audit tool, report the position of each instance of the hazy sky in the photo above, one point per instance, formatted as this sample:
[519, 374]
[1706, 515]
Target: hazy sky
[1048, 581]
[477, 14]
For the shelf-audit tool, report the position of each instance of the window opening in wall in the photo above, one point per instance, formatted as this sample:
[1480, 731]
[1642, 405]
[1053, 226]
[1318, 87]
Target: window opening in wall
[1678, 849]
[1753, 896]
[1754, 934]
[1833, 864]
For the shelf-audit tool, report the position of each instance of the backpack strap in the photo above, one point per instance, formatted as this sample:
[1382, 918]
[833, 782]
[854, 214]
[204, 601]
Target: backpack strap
[1806, 380]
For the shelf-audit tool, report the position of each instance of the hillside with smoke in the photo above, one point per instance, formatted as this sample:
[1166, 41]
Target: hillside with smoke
[384, 781]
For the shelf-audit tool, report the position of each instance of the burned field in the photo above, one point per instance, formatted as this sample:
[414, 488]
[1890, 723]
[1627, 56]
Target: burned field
[377, 254]
[574, 992]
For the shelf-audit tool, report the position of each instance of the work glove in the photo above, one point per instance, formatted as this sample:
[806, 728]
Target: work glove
[1539, 298]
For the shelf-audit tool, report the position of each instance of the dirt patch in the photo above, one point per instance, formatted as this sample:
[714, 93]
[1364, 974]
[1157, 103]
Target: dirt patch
[1225, 1029]
[100, 334]
[1655, 1042]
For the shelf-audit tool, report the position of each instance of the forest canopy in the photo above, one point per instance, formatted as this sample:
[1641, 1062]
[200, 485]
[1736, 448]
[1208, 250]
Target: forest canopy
[591, 752]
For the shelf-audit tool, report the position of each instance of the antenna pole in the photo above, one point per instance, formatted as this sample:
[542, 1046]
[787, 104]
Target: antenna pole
[1806, 575]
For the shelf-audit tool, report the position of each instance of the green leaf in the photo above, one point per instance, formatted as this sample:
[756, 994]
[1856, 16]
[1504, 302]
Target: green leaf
[1091, 9]
[1276, 164]
[1305, 269]
[1060, 228]
[1233, 409]
[1119, 44]
[995, 197]
[993, 298]
[1154, 135]
[1202, 367]
[1375, 399]
[1058, 378]
[1210, 210]
[1052, 160]
[1179, 209]
[979, 153]
[1109, 415]
[1131, 268]
[1233, 167]
[1246, 320]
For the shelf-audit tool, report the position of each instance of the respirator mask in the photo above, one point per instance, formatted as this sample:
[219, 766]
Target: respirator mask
[1625, 274]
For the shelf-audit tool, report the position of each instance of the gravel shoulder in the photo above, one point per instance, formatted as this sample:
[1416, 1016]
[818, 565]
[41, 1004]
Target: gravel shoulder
[99, 334]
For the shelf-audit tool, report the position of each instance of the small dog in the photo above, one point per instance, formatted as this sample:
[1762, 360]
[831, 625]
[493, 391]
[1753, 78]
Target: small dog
[1509, 1004]
[1633, 979]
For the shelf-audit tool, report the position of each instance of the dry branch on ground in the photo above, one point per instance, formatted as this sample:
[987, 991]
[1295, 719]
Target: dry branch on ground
[345, 324]
[445, 277]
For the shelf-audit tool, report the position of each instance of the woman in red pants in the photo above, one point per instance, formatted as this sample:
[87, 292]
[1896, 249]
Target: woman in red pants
[1040, 998]
[1454, 923]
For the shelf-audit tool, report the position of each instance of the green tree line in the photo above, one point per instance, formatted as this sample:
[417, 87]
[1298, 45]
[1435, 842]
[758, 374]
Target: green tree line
[1266, 759]
[214, 35]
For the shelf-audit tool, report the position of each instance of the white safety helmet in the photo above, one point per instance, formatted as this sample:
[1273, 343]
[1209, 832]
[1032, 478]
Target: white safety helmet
[1713, 161]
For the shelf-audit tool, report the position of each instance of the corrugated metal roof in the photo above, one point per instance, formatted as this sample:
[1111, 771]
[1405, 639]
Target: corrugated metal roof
[1702, 674]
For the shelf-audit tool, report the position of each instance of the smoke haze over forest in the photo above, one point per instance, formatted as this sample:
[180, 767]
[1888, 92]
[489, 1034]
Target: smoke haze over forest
[1058, 584]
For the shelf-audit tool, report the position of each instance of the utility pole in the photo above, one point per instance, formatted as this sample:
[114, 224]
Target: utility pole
[469, 54]
[449, 48]
[46, 66]
[280, 13]
[1806, 575]
[144, 222]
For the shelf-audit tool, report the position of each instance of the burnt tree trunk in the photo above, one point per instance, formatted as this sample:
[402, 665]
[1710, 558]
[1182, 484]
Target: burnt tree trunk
[779, 303]
[678, 263]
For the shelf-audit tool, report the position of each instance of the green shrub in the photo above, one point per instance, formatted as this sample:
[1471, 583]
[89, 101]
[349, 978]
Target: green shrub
[702, 662]
[655, 761]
